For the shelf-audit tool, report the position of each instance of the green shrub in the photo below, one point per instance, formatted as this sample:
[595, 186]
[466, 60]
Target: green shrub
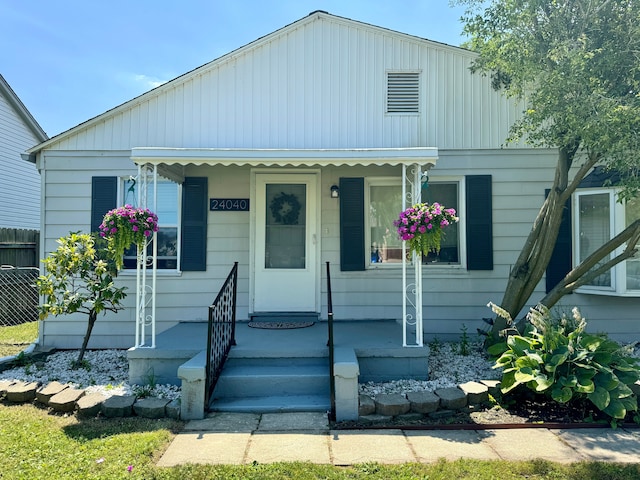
[557, 358]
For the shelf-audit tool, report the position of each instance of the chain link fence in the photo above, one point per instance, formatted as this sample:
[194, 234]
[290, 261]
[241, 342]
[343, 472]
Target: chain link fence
[18, 295]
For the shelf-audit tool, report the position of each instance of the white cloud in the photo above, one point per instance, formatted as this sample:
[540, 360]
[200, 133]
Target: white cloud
[148, 82]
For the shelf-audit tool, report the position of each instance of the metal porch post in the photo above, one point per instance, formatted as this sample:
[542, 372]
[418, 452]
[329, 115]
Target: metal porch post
[412, 292]
[145, 286]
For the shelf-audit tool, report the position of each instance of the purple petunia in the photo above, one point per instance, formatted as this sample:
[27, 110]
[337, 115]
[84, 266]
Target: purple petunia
[421, 225]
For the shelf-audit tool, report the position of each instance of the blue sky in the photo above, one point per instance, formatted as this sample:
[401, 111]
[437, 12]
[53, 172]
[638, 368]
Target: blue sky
[70, 60]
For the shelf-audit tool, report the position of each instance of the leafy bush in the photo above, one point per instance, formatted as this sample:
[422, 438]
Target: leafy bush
[79, 278]
[557, 358]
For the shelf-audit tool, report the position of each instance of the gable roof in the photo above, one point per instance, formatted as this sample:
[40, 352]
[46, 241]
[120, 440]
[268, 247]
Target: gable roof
[312, 17]
[21, 110]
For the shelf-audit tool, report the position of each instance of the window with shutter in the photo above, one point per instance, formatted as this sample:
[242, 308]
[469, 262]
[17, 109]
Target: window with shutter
[363, 238]
[403, 92]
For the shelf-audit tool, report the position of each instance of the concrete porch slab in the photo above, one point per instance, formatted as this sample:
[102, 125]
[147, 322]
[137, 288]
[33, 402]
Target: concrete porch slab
[377, 344]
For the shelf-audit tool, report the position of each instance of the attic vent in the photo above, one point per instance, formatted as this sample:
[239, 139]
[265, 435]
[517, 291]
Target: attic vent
[403, 92]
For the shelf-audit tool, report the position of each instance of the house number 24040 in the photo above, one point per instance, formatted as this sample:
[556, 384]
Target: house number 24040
[229, 204]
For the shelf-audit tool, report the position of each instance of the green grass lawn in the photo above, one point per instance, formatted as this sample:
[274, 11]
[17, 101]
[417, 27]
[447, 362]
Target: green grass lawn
[37, 445]
[15, 339]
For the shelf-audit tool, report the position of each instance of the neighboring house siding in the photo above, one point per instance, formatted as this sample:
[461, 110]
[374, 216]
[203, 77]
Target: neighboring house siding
[19, 180]
[321, 84]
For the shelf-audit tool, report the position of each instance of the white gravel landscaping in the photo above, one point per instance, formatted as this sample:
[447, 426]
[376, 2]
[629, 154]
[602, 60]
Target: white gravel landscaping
[447, 368]
[107, 372]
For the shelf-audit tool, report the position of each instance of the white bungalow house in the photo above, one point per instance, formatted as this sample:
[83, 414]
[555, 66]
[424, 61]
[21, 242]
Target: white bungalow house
[19, 181]
[289, 152]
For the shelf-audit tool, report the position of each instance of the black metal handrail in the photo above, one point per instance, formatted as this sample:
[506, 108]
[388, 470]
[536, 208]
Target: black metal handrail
[332, 413]
[221, 335]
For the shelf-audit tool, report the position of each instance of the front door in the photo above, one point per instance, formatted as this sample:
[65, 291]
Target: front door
[286, 245]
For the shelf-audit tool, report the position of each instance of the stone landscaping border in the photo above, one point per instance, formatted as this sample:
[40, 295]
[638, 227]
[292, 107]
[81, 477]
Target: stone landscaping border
[441, 403]
[63, 398]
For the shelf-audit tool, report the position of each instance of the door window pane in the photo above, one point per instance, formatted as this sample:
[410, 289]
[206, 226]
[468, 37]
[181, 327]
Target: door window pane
[285, 226]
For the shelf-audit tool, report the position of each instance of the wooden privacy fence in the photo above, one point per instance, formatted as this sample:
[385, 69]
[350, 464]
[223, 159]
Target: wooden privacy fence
[19, 248]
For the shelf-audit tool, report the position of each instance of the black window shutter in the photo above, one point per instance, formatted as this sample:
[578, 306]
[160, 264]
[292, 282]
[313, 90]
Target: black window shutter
[104, 197]
[561, 258]
[194, 224]
[352, 251]
[479, 221]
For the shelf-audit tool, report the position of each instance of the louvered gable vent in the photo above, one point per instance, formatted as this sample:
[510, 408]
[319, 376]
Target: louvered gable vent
[403, 92]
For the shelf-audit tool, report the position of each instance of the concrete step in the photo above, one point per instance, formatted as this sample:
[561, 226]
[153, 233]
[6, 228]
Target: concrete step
[279, 360]
[273, 404]
[246, 380]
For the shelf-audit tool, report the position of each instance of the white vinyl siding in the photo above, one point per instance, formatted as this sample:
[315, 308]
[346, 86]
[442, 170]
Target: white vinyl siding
[319, 83]
[19, 179]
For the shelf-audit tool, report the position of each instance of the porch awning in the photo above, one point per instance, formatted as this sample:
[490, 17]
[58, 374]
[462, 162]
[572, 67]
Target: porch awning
[169, 158]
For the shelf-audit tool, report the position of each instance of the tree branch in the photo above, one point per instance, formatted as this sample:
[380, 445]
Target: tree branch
[583, 273]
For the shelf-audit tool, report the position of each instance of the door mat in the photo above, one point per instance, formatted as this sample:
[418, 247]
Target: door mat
[279, 325]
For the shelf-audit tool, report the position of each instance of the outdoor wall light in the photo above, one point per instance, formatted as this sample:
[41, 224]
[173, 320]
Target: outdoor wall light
[335, 191]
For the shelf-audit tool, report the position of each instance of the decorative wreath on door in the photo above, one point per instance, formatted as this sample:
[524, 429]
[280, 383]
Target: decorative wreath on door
[285, 209]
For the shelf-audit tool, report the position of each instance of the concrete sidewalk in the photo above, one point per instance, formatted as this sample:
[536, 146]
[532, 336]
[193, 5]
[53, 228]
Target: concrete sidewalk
[242, 438]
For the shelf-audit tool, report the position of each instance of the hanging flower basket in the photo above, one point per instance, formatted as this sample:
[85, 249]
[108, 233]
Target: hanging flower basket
[125, 226]
[422, 226]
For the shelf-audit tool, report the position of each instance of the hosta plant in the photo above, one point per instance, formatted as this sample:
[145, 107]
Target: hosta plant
[556, 357]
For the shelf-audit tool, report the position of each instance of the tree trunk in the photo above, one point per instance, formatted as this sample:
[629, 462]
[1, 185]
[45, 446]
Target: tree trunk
[93, 315]
[535, 255]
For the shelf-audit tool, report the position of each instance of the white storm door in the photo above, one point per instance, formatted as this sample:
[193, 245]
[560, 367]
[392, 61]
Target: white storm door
[285, 262]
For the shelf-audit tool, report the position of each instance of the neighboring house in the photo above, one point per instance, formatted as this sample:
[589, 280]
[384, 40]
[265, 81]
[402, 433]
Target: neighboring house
[19, 181]
[251, 148]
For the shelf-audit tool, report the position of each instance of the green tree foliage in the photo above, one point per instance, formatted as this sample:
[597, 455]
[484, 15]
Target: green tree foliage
[575, 67]
[78, 278]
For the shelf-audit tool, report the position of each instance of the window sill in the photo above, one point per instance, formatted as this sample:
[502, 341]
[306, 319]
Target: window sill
[608, 293]
[426, 267]
[159, 273]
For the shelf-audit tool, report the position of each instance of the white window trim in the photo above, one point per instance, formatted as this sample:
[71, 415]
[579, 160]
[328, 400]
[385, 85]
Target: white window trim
[432, 267]
[618, 286]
